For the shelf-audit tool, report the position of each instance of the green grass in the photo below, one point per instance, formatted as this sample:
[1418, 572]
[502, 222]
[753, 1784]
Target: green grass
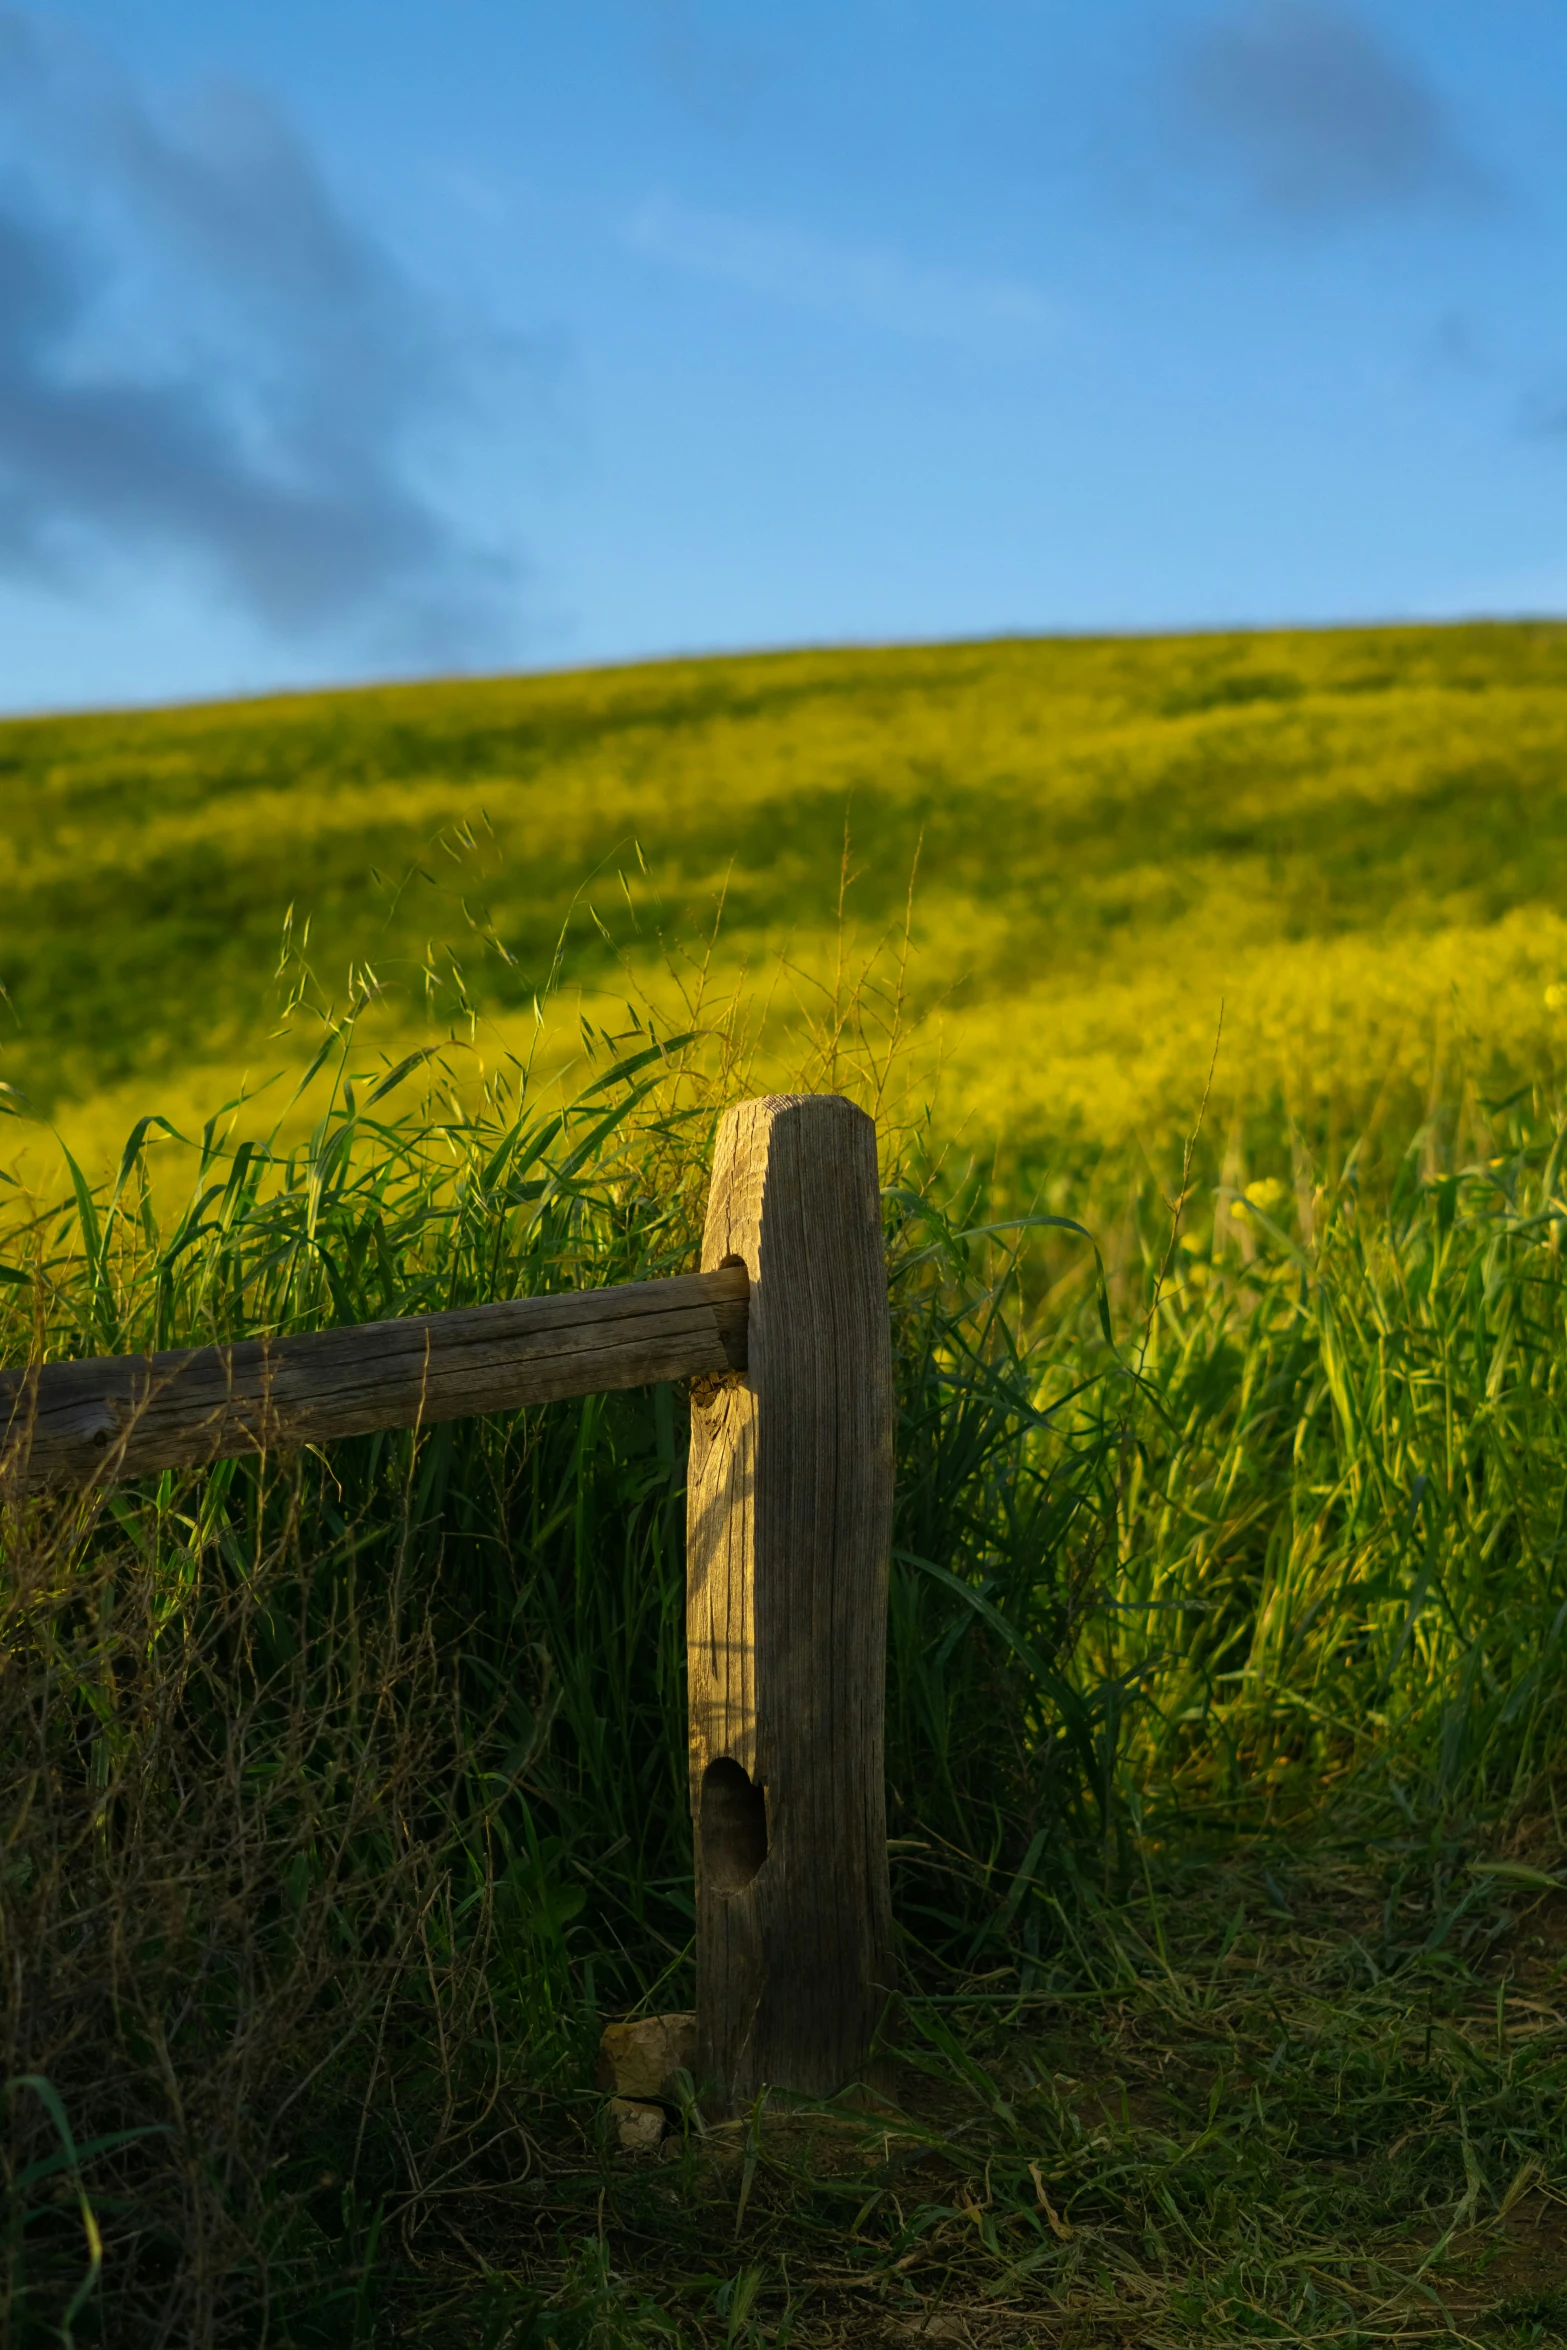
[348, 1797]
[344, 1797]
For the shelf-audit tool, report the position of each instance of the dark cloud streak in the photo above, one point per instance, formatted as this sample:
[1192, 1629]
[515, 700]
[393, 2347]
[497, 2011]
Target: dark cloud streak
[1322, 118]
[202, 357]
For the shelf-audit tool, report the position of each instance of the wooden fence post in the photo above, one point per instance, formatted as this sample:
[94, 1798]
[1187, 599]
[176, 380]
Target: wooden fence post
[790, 1517]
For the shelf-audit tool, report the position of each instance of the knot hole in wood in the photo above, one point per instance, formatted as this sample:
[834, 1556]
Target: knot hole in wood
[732, 1825]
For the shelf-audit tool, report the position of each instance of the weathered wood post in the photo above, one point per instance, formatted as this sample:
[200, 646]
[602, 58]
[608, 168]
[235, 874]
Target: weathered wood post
[790, 1517]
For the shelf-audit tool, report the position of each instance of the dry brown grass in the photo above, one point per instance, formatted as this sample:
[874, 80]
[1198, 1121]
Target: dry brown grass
[226, 1916]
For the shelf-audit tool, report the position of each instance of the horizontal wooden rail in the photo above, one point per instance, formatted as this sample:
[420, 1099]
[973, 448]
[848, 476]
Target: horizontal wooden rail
[789, 1520]
[122, 1415]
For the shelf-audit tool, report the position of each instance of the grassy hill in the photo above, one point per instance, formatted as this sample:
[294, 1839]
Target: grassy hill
[345, 1793]
[1355, 840]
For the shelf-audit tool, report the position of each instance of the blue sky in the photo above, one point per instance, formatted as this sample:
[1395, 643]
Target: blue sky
[382, 337]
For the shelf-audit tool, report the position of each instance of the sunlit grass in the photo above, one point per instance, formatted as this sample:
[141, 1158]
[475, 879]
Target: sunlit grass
[1230, 1577]
[1213, 1643]
[1355, 841]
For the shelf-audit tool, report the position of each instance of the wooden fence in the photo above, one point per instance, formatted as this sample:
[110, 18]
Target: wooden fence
[784, 1334]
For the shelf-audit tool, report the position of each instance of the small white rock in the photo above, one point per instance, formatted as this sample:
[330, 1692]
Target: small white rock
[640, 2128]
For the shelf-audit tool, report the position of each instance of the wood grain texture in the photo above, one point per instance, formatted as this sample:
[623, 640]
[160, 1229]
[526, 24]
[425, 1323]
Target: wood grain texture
[99, 1421]
[789, 1527]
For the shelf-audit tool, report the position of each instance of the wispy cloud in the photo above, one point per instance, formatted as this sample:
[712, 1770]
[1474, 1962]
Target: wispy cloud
[204, 357]
[1320, 115]
[1543, 411]
[864, 282]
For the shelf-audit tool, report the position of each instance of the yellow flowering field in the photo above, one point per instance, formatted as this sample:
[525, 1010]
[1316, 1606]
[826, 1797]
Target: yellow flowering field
[1035, 873]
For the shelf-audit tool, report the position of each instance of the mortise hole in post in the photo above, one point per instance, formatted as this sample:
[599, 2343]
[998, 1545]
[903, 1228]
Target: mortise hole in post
[732, 1825]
